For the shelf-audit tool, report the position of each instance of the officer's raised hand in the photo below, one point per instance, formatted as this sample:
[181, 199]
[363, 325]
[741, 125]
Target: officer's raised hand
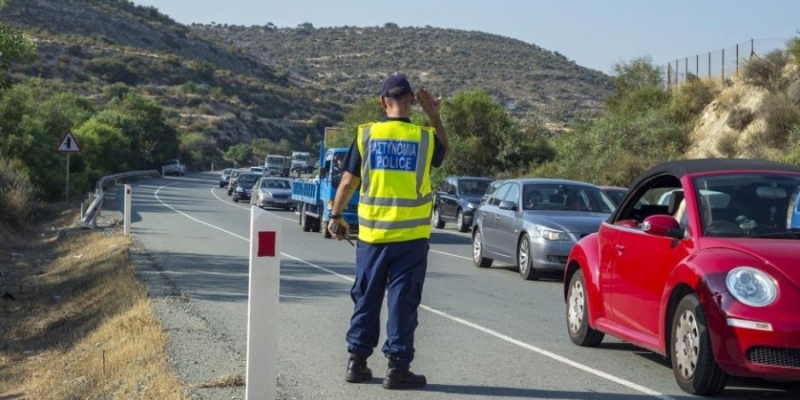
[430, 105]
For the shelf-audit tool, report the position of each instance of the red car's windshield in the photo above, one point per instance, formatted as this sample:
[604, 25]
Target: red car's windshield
[749, 205]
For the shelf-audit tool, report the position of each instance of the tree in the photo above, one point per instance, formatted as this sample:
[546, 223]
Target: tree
[239, 154]
[638, 85]
[14, 46]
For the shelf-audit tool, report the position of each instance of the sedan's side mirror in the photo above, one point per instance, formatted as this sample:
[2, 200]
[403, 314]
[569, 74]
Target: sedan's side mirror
[662, 225]
[508, 205]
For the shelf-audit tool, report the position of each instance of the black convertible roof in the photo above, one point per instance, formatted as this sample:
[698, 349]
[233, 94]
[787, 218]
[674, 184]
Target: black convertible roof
[680, 168]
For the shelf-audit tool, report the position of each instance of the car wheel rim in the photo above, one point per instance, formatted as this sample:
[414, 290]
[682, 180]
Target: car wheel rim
[687, 344]
[523, 255]
[435, 216]
[476, 248]
[577, 307]
[460, 220]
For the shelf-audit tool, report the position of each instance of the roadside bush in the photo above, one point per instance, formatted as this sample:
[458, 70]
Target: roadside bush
[782, 117]
[793, 48]
[739, 118]
[767, 72]
[793, 91]
[691, 99]
[16, 193]
[727, 144]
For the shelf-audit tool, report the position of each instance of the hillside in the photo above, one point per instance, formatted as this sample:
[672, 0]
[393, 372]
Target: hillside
[352, 61]
[97, 47]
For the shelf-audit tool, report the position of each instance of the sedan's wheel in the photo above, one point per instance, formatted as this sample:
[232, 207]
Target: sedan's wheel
[477, 251]
[693, 362]
[577, 315]
[524, 262]
[462, 227]
[436, 219]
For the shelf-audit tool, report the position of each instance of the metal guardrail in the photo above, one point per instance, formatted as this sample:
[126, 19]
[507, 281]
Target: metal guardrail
[89, 216]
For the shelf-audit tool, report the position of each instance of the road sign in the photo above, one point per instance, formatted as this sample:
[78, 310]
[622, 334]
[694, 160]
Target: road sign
[68, 144]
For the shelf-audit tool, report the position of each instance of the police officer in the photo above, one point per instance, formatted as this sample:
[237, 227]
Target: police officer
[392, 161]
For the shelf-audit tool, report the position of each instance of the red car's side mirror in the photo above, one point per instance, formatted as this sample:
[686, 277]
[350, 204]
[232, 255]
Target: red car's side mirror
[662, 225]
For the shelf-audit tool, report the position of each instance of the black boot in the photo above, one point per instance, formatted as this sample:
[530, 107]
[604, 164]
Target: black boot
[402, 378]
[357, 370]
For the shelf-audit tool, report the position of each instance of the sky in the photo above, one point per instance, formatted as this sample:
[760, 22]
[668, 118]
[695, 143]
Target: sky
[594, 33]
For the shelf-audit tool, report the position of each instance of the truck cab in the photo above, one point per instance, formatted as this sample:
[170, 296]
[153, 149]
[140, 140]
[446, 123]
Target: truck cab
[278, 165]
[315, 197]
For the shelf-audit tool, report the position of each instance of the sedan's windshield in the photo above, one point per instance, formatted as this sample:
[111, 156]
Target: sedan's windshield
[248, 178]
[565, 197]
[275, 184]
[759, 205]
[473, 187]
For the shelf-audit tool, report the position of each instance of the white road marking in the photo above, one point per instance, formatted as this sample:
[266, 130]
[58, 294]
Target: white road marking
[480, 328]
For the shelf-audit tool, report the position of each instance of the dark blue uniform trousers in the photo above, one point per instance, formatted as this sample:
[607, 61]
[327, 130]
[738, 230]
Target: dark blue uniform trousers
[399, 268]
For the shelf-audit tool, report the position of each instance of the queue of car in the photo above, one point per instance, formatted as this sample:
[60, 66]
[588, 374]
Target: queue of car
[697, 261]
[257, 185]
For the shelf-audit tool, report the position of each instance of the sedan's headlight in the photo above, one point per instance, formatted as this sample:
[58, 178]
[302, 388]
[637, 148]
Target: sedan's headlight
[239, 189]
[472, 206]
[751, 286]
[552, 234]
[267, 194]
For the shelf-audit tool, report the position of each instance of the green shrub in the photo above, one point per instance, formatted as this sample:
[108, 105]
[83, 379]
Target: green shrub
[727, 144]
[740, 118]
[16, 193]
[691, 99]
[793, 92]
[782, 117]
[793, 48]
[767, 72]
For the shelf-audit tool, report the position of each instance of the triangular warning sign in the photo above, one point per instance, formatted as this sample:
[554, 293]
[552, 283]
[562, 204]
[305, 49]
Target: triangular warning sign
[68, 144]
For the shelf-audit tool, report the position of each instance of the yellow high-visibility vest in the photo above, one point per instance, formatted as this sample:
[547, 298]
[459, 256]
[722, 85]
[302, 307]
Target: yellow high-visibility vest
[395, 202]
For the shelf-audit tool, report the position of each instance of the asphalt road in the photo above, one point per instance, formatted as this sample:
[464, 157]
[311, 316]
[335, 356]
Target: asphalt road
[483, 334]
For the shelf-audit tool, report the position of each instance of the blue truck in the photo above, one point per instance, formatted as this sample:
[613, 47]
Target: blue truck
[315, 196]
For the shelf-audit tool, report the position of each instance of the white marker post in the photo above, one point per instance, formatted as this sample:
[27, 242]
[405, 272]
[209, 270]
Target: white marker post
[262, 305]
[127, 211]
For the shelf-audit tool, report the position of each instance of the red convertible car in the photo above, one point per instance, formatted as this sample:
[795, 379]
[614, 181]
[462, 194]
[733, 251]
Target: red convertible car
[710, 280]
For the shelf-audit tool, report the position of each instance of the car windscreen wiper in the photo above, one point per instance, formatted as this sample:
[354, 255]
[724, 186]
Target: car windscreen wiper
[793, 234]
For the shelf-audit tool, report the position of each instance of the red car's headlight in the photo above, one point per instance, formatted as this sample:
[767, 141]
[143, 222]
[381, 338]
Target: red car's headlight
[751, 286]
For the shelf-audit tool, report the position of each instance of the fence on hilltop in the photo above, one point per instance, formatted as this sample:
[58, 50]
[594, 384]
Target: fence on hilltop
[720, 64]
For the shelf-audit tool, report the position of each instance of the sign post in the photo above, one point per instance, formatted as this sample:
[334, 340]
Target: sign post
[68, 145]
[262, 305]
[127, 225]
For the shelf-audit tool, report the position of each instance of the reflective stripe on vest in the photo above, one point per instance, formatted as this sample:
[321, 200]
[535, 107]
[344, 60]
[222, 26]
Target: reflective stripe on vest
[395, 218]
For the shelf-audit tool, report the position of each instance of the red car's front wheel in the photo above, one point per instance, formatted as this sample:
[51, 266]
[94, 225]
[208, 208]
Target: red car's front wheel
[693, 362]
[578, 316]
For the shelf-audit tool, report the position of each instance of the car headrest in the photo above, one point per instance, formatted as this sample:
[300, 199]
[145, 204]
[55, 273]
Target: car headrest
[675, 202]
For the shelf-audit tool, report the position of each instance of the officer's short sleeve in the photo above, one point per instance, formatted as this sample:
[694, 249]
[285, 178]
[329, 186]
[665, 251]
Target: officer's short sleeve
[352, 160]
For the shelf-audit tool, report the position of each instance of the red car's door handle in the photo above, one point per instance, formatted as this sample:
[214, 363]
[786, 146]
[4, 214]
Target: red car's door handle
[620, 248]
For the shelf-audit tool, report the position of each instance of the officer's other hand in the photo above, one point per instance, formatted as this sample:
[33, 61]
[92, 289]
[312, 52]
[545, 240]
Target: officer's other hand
[430, 105]
[338, 228]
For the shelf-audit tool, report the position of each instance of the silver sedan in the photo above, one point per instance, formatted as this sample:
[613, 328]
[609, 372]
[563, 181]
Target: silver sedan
[273, 192]
[533, 223]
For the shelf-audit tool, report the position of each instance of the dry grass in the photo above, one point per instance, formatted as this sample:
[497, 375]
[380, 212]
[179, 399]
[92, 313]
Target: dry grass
[79, 325]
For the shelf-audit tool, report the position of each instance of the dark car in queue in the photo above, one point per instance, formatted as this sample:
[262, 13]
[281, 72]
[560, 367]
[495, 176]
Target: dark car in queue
[273, 192]
[533, 223]
[224, 177]
[456, 201]
[244, 185]
[616, 193]
[489, 190]
[232, 179]
[709, 280]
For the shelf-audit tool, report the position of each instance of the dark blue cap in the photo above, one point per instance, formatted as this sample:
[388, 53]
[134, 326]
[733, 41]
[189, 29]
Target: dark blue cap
[395, 86]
